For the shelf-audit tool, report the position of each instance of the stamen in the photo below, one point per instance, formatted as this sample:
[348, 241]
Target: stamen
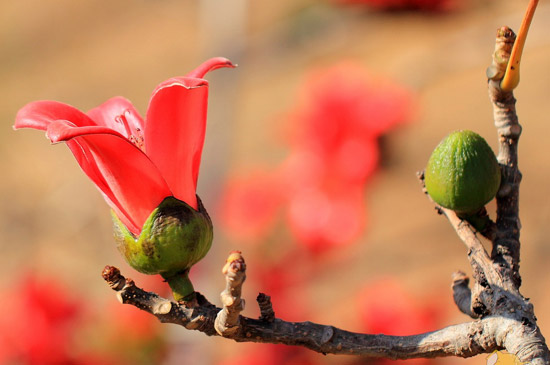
[122, 119]
[136, 136]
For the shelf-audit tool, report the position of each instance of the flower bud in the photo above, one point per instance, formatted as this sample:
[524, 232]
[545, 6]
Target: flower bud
[463, 173]
[173, 238]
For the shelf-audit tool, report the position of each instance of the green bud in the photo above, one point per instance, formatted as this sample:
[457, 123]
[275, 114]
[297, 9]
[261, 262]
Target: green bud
[174, 238]
[463, 173]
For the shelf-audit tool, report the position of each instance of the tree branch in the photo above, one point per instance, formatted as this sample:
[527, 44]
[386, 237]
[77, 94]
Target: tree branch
[497, 279]
[506, 246]
[464, 340]
[478, 257]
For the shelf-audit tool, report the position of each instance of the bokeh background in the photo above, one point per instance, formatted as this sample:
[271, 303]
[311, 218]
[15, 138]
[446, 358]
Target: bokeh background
[330, 216]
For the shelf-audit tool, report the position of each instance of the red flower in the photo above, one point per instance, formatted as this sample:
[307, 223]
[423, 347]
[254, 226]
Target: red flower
[343, 111]
[334, 133]
[135, 163]
[387, 307]
[250, 203]
[48, 324]
[43, 318]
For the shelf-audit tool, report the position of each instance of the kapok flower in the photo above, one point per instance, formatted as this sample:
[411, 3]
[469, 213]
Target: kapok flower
[145, 169]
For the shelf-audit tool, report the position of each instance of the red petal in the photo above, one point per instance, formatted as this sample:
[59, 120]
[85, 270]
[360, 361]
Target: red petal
[175, 128]
[62, 131]
[130, 182]
[86, 161]
[210, 65]
[40, 114]
[119, 114]
[174, 136]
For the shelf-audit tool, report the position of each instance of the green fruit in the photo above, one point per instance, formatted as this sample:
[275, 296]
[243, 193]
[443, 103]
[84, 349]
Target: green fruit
[174, 238]
[462, 173]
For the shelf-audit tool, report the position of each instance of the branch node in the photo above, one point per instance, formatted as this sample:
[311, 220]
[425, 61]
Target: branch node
[328, 333]
[162, 307]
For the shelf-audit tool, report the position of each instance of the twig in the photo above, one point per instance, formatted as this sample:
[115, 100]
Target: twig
[462, 294]
[227, 320]
[478, 257]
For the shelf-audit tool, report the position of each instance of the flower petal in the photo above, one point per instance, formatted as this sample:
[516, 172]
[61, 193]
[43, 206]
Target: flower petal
[86, 161]
[210, 65]
[130, 182]
[175, 128]
[119, 114]
[39, 114]
[63, 130]
[174, 136]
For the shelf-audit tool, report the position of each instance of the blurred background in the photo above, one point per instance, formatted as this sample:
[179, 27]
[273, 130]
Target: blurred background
[309, 166]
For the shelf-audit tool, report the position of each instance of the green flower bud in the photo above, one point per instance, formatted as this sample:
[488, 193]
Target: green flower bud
[463, 173]
[174, 238]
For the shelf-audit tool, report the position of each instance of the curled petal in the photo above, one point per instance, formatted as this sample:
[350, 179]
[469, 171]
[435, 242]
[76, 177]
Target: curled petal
[62, 131]
[210, 65]
[130, 182]
[40, 114]
[119, 114]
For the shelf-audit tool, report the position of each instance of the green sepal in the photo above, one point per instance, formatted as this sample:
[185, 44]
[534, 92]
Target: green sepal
[174, 238]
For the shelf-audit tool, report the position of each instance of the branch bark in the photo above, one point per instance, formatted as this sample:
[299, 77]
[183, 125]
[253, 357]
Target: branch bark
[464, 340]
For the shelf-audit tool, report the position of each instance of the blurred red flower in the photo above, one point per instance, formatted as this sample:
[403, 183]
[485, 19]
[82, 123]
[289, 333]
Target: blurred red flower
[386, 306]
[250, 204]
[321, 218]
[38, 323]
[135, 163]
[333, 135]
[285, 281]
[48, 325]
[341, 112]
